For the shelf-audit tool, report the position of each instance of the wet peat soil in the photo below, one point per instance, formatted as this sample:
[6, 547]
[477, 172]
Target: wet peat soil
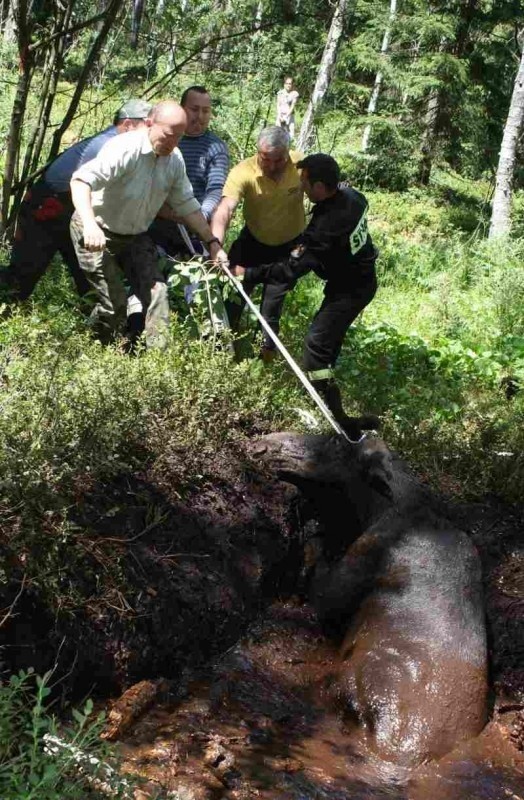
[259, 724]
[258, 721]
[164, 574]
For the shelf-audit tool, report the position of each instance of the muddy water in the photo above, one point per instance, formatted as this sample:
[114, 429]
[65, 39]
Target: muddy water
[259, 724]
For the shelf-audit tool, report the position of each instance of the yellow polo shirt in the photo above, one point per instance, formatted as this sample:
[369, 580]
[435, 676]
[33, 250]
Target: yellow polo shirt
[273, 211]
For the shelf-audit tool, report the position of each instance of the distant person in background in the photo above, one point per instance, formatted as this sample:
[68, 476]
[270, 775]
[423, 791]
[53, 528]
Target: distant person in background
[42, 227]
[286, 102]
[207, 163]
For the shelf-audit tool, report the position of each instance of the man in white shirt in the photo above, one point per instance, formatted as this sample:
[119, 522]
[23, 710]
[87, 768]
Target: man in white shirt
[116, 196]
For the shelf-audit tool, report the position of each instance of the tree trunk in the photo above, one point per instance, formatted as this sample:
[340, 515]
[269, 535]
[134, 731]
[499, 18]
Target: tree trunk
[9, 10]
[23, 33]
[427, 147]
[112, 10]
[13, 139]
[154, 49]
[58, 63]
[51, 72]
[138, 12]
[428, 138]
[325, 72]
[253, 54]
[372, 107]
[501, 213]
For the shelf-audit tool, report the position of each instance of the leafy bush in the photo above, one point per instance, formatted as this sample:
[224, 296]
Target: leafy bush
[28, 771]
[70, 406]
[389, 161]
[437, 390]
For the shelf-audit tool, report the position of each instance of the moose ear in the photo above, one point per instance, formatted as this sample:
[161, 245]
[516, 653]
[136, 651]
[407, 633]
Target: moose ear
[376, 469]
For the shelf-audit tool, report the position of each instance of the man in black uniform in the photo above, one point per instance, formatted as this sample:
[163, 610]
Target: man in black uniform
[336, 245]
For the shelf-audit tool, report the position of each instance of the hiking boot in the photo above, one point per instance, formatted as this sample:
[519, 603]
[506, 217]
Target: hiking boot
[267, 355]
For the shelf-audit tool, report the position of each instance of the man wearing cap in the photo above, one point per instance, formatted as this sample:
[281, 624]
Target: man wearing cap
[269, 186]
[116, 196]
[42, 227]
[336, 245]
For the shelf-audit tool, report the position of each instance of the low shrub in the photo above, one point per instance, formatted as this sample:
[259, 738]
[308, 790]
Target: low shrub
[29, 770]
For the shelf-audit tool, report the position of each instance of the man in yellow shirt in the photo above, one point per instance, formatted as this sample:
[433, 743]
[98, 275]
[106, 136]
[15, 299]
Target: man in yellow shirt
[269, 186]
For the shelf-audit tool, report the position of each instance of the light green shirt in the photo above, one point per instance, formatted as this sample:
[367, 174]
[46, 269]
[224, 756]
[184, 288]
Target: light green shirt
[130, 183]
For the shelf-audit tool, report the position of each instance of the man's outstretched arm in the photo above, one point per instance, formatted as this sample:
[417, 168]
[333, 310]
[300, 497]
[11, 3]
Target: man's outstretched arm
[222, 217]
[197, 223]
[299, 263]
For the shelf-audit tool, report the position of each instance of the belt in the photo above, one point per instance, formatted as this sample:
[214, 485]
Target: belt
[119, 235]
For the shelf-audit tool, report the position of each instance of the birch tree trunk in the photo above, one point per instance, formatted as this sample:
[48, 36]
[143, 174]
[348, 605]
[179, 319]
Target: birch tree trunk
[23, 36]
[136, 21]
[325, 72]
[9, 9]
[372, 107]
[501, 211]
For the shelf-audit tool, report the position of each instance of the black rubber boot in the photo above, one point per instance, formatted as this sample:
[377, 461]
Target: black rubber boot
[134, 328]
[353, 426]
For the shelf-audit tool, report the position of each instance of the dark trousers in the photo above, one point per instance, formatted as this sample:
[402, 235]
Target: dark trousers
[326, 333]
[42, 230]
[249, 252]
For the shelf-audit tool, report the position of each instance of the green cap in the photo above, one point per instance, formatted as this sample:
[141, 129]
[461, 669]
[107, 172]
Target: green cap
[134, 109]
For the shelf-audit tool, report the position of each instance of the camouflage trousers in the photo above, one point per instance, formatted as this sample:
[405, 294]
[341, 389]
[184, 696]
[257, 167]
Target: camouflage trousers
[136, 258]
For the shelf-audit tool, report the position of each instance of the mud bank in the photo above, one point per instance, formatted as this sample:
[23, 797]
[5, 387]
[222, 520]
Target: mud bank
[146, 574]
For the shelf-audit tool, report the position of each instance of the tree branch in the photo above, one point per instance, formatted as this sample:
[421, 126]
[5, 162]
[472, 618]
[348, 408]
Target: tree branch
[73, 29]
[159, 84]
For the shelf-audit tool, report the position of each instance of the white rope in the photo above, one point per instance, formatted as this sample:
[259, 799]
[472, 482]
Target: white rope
[271, 333]
[290, 360]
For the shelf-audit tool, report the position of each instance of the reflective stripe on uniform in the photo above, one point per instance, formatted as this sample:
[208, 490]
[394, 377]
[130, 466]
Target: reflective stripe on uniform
[320, 374]
[358, 238]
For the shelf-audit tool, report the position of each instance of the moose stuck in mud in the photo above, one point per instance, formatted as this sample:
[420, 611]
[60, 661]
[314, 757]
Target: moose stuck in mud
[367, 676]
[406, 595]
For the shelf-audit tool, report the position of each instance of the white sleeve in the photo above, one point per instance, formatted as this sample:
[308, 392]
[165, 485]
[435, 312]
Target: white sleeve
[112, 161]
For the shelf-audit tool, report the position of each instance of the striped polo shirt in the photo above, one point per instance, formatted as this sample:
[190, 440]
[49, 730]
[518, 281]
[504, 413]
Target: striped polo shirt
[207, 163]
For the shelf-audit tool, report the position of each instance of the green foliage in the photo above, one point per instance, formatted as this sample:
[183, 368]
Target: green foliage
[432, 351]
[389, 160]
[71, 406]
[197, 291]
[28, 770]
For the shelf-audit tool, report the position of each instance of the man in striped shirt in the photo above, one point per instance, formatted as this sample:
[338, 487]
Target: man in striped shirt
[207, 164]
